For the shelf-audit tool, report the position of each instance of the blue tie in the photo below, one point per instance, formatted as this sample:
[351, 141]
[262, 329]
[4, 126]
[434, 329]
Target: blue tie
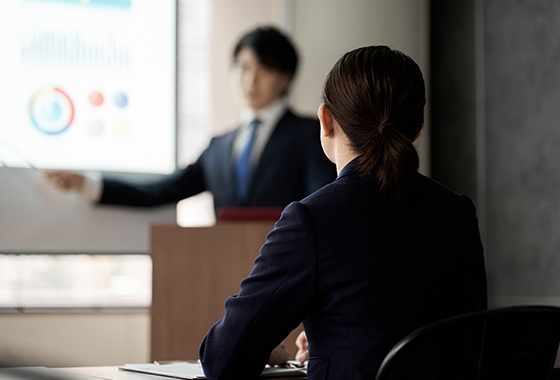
[243, 165]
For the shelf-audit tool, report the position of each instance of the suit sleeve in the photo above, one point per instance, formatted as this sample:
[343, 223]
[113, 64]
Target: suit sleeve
[272, 301]
[171, 189]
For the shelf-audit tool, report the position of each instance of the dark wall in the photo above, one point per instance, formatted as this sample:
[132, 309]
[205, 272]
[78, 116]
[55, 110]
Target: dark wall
[496, 134]
[453, 157]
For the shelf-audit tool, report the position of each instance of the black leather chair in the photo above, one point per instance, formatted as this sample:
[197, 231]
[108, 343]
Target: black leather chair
[507, 343]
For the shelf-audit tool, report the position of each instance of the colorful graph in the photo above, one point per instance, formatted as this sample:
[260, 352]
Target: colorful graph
[122, 4]
[74, 48]
[51, 110]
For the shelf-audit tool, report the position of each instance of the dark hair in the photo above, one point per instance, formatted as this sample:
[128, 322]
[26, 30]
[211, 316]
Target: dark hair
[377, 95]
[272, 48]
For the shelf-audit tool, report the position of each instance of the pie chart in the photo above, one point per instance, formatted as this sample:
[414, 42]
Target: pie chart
[51, 110]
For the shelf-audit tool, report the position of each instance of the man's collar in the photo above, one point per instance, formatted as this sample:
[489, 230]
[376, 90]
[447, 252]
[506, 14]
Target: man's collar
[272, 112]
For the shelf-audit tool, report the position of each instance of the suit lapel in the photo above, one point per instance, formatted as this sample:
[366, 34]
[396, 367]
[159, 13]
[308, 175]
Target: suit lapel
[276, 139]
[225, 152]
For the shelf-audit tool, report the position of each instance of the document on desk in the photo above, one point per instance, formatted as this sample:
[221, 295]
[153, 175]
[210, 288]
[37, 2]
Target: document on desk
[193, 370]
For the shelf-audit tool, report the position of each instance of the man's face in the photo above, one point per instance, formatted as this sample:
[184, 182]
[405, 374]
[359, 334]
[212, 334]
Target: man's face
[255, 85]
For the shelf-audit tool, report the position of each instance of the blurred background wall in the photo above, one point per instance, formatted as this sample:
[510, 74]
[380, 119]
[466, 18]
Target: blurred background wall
[495, 67]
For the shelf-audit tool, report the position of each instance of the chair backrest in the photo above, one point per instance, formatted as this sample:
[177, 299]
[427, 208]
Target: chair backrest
[507, 343]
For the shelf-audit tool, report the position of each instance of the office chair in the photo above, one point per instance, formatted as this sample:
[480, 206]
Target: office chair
[507, 343]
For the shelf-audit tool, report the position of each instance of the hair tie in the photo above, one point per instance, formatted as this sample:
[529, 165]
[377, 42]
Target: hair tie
[383, 125]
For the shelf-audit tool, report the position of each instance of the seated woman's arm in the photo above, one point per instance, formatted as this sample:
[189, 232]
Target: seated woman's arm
[272, 301]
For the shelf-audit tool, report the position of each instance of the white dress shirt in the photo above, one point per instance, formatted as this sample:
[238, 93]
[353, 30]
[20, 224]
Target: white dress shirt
[268, 118]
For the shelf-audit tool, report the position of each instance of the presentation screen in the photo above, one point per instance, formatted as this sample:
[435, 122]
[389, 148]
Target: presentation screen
[88, 84]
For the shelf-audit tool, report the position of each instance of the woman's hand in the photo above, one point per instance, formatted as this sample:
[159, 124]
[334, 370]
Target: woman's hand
[302, 354]
[279, 356]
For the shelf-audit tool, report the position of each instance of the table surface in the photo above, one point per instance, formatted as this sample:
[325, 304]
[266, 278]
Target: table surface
[112, 373]
[81, 373]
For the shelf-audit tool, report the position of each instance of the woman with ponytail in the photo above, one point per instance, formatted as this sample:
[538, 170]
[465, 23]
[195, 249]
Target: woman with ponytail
[366, 259]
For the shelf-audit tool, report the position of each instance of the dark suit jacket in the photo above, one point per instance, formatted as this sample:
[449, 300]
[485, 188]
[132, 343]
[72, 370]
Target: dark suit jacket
[291, 167]
[360, 271]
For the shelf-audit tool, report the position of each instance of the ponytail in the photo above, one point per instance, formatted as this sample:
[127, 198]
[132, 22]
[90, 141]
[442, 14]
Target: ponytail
[377, 96]
[393, 159]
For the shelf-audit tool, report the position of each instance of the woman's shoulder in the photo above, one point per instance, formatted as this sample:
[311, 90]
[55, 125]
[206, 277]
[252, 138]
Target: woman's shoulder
[430, 184]
[343, 192]
[350, 190]
[431, 189]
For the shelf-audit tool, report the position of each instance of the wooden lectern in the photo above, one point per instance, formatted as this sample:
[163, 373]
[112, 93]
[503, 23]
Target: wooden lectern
[194, 271]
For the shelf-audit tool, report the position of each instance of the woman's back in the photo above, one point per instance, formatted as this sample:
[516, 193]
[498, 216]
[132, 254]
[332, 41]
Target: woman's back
[385, 268]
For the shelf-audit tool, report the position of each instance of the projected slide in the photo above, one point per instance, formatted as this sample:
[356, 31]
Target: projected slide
[88, 84]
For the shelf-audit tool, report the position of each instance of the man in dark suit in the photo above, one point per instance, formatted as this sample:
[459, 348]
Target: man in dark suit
[272, 158]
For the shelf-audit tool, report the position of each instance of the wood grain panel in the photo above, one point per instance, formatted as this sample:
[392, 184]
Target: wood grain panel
[194, 271]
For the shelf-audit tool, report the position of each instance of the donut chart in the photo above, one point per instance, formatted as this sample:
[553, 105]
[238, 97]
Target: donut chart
[51, 110]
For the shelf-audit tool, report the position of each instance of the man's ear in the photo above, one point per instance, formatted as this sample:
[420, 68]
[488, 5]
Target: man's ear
[286, 82]
[326, 119]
